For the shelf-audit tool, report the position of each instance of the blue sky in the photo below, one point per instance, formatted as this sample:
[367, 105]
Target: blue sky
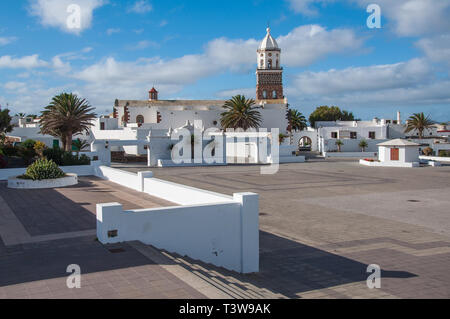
[206, 49]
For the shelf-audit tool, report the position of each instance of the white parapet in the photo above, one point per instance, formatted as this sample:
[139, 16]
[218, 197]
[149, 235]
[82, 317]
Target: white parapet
[207, 226]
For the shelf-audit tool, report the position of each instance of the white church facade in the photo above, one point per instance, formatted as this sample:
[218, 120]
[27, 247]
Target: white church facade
[170, 114]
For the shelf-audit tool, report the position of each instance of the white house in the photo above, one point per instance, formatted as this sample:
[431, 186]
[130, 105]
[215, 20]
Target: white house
[396, 153]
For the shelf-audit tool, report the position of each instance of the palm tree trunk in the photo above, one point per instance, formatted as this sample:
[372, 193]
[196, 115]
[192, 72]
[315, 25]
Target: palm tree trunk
[69, 142]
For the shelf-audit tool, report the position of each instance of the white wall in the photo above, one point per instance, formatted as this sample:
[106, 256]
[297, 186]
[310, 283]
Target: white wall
[211, 227]
[82, 170]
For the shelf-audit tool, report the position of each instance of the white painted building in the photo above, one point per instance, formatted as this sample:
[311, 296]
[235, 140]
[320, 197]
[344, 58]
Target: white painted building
[170, 114]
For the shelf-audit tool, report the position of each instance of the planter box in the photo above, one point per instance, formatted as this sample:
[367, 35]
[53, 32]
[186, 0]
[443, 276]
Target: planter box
[17, 183]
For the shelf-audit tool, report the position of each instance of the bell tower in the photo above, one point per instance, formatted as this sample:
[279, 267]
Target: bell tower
[269, 74]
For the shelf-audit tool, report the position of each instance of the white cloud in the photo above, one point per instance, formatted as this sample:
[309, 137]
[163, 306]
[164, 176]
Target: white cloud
[414, 17]
[53, 13]
[15, 86]
[411, 82]
[26, 62]
[307, 44]
[369, 78]
[111, 31]
[437, 48]
[141, 7]
[248, 92]
[7, 40]
[306, 7]
[143, 45]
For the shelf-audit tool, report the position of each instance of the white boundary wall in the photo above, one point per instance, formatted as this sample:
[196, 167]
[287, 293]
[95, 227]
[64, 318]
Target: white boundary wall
[351, 154]
[215, 228]
[389, 164]
[82, 170]
[435, 158]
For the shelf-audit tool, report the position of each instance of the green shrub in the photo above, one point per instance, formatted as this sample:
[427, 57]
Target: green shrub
[444, 153]
[43, 169]
[64, 158]
[9, 150]
[26, 151]
[28, 144]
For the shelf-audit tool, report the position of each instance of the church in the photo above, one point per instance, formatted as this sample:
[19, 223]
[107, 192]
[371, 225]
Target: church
[170, 114]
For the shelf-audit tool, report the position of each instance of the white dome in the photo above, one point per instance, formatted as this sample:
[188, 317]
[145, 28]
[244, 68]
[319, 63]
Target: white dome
[269, 43]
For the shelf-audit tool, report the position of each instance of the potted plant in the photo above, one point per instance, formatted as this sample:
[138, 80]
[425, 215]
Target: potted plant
[339, 144]
[363, 145]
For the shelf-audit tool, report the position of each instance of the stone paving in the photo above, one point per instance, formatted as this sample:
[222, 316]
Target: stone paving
[323, 223]
[34, 264]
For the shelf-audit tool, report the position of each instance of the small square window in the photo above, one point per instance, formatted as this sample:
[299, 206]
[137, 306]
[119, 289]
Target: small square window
[334, 135]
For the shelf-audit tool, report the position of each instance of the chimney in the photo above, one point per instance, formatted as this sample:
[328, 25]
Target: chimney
[399, 119]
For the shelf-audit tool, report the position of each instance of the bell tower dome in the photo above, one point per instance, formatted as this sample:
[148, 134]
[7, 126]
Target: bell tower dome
[269, 74]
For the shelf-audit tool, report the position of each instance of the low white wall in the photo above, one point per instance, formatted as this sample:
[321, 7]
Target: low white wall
[389, 164]
[118, 176]
[82, 170]
[211, 227]
[351, 154]
[435, 158]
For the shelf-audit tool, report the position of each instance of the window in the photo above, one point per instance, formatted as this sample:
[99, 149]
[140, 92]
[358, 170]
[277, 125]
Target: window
[264, 94]
[270, 54]
[270, 63]
[140, 120]
[262, 63]
[372, 135]
[158, 117]
[278, 64]
[274, 94]
[102, 126]
[353, 135]
[334, 135]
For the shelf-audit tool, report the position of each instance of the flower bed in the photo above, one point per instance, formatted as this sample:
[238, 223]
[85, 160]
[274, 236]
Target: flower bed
[43, 174]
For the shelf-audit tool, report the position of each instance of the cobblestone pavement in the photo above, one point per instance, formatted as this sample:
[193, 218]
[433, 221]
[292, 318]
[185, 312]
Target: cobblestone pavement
[48, 230]
[323, 223]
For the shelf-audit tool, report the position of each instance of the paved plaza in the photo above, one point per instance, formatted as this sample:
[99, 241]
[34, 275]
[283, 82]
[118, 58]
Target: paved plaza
[322, 223]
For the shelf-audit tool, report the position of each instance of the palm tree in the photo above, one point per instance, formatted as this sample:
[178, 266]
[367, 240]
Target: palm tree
[419, 122]
[21, 115]
[241, 113]
[79, 145]
[66, 115]
[363, 145]
[339, 143]
[296, 120]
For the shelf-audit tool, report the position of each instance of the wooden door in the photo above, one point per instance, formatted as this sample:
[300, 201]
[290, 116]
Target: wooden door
[395, 154]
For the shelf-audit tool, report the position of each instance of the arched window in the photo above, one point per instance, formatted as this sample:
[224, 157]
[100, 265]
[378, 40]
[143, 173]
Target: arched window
[139, 120]
[278, 64]
[262, 63]
[270, 63]
[264, 94]
[274, 94]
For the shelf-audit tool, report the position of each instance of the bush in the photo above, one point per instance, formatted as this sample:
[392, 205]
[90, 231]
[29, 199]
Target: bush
[26, 151]
[9, 150]
[43, 169]
[428, 151]
[3, 160]
[39, 148]
[444, 153]
[63, 158]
